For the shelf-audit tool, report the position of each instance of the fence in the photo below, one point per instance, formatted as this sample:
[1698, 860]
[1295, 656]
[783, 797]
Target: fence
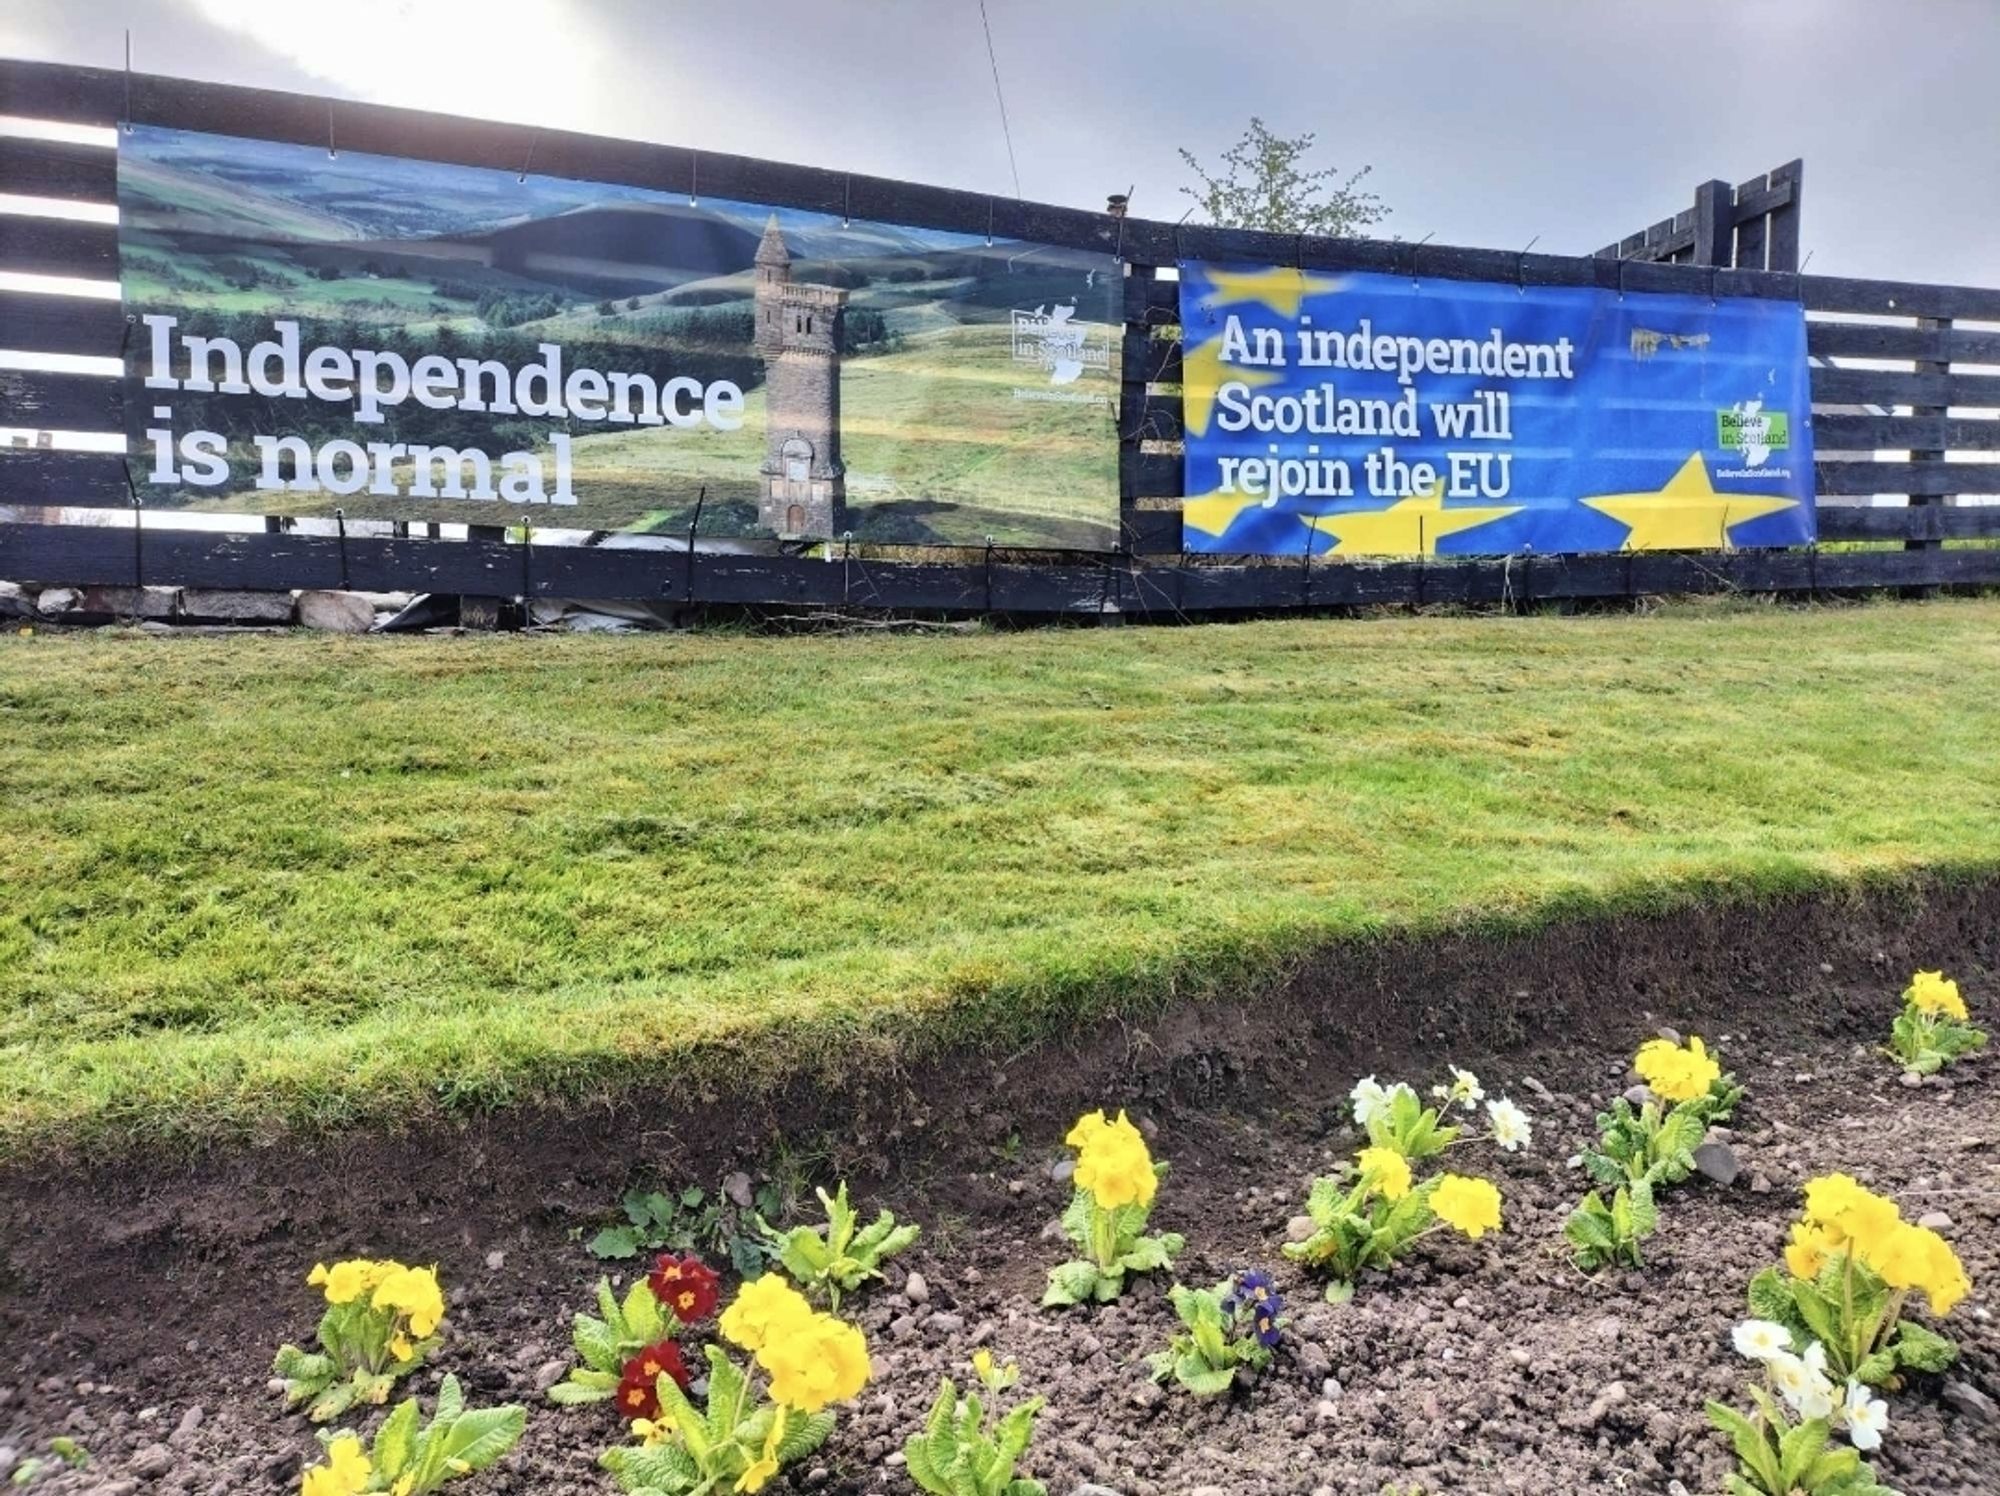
[1864, 415]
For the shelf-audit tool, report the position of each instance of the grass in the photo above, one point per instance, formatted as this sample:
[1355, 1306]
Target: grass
[298, 881]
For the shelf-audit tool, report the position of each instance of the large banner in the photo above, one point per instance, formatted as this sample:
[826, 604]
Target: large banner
[1377, 415]
[403, 339]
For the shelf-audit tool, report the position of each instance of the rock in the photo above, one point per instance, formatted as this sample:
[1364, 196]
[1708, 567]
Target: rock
[1672, 1036]
[916, 1290]
[1330, 1389]
[1610, 1327]
[942, 1324]
[1934, 1220]
[336, 612]
[549, 1373]
[902, 1327]
[1971, 1402]
[1147, 1393]
[186, 1429]
[1718, 1161]
[1614, 1395]
[1208, 1491]
[94, 604]
[1298, 1228]
[54, 602]
[112, 1488]
[1638, 1095]
[1089, 1489]
[737, 1187]
[16, 601]
[213, 605]
[1760, 1184]
[152, 1462]
[1326, 1412]
[1063, 1170]
[9, 1458]
[897, 1459]
[1911, 1079]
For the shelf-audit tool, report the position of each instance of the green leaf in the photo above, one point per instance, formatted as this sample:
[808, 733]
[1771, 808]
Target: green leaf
[1771, 1298]
[1195, 1374]
[450, 1400]
[1921, 1349]
[644, 1321]
[615, 1242]
[595, 1344]
[301, 1366]
[571, 1393]
[1798, 1448]
[331, 1403]
[396, 1440]
[1070, 1283]
[481, 1437]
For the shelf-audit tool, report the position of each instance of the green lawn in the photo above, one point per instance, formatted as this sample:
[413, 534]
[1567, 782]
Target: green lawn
[306, 880]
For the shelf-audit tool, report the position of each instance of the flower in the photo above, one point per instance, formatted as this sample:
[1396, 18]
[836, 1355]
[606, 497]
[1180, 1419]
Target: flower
[686, 1285]
[1761, 1340]
[1371, 1100]
[1464, 1089]
[1934, 993]
[651, 1431]
[1267, 1330]
[1867, 1418]
[1511, 1129]
[765, 1465]
[400, 1348]
[1468, 1205]
[1113, 1164]
[762, 1309]
[345, 1472]
[345, 1282]
[637, 1398]
[1801, 1381]
[1849, 1216]
[1676, 1074]
[815, 1361]
[412, 1291]
[1810, 1247]
[656, 1361]
[1385, 1171]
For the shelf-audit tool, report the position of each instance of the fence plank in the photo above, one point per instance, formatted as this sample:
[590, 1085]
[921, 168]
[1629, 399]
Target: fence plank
[1922, 476]
[59, 402]
[58, 168]
[41, 478]
[1150, 475]
[1898, 387]
[1909, 522]
[58, 246]
[1865, 433]
[31, 321]
[56, 91]
[1825, 293]
[1963, 345]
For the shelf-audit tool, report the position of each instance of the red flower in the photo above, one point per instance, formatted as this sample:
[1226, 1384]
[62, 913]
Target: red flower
[646, 1369]
[637, 1398]
[685, 1285]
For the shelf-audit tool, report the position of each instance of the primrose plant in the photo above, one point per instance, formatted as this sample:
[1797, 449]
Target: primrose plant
[1785, 1448]
[410, 1458]
[1116, 1181]
[1610, 1233]
[627, 1346]
[1934, 1027]
[1687, 1093]
[1230, 1328]
[967, 1449]
[837, 1258]
[1377, 1212]
[380, 1323]
[1394, 1117]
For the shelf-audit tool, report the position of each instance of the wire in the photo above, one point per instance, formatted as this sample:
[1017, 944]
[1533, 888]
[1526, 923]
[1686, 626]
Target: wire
[1005, 133]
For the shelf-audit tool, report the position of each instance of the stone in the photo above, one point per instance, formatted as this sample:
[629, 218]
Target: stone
[1971, 1402]
[216, 605]
[1934, 1220]
[54, 602]
[152, 1462]
[549, 1373]
[1638, 1095]
[1760, 1184]
[1062, 1170]
[916, 1290]
[16, 601]
[736, 1187]
[1298, 1228]
[942, 1324]
[1911, 1079]
[1089, 1488]
[9, 1458]
[1614, 1395]
[902, 1327]
[190, 1424]
[336, 612]
[1718, 1161]
[158, 604]
[495, 1260]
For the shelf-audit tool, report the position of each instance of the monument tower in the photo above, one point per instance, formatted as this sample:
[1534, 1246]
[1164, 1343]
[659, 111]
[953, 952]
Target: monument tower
[803, 488]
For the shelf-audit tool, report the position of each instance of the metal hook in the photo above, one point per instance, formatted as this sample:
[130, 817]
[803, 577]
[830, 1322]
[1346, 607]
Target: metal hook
[846, 201]
[529, 159]
[331, 153]
[1711, 284]
[1621, 277]
[127, 121]
[1415, 283]
[694, 179]
[340, 529]
[1521, 265]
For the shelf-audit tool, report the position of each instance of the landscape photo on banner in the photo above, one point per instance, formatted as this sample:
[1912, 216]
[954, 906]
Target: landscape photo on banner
[1368, 414]
[404, 339]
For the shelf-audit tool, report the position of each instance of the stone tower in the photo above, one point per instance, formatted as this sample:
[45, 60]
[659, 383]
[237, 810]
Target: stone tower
[803, 487]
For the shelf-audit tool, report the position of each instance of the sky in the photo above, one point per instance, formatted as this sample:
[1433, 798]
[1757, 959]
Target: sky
[1568, 123]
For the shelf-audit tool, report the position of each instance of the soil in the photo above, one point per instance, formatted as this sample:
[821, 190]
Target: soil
[141, 1300]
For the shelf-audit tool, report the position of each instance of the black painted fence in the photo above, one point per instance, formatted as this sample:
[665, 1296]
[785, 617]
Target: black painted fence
[1918, 409]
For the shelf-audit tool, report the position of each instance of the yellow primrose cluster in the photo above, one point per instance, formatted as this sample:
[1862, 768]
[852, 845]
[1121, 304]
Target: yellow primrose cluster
[1467, 1204]
[1386, 1170]
[811, 1358]
[345, 1472]
[1673, 1073]
[411, 1293]
[1934, 993]
[1842, 1216]
[1113, 1164]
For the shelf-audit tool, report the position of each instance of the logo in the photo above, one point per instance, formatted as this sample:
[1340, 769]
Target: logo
[1754, 432]
[1051, 340]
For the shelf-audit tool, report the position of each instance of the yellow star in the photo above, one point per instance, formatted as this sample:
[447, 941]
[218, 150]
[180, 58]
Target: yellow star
[1214, 513]
[1203, 374]
[1408, 527]
[1279, 289]
[1687, 514]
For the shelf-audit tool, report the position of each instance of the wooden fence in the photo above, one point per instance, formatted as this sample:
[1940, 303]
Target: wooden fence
[1916, 412]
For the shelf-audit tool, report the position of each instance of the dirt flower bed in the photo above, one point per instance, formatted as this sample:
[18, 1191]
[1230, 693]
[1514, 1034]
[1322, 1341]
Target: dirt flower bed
[1475, 1367]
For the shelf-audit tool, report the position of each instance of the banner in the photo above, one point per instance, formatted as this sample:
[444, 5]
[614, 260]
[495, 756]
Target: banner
[409, 340]
[1376, 415]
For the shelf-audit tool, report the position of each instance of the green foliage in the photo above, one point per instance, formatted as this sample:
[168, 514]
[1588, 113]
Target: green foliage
[1116, 1244]
[1410, 1128]
[828, 1261]
[966, 1449]
[1212, 1345]
[1265, 185]
[1927, 1042]
[1777, 1457]
[1642, 1143]
[358, 1363]
[607, 1340]
[70, 1453]
[692, 1220]
[415, 1461]
[1855, 1315]
[1610, 1235]
[1355, 1228]
[709, 1451]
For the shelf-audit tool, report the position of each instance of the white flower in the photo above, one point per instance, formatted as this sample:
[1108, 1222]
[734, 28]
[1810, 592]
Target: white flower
[1370, 1100]
[1510, 1125]
[1801, 1381]
[1464, 1088]
[1761, 1340]
[1867, 1418]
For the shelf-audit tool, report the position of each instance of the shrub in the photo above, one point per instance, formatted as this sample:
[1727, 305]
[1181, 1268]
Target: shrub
[1785, 1449]
[1116, 1181]
[379, 1325]
[828, 1261]
[1376, 1212]
[1234, 1326]
[627, 1346]
[963, 1451]
[1932, 1030]
[408, 1461]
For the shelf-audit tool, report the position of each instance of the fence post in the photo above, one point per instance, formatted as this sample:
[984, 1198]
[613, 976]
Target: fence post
[1941, 327]
[1715, 224]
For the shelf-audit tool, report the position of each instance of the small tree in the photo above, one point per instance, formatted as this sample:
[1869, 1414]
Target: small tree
[1266, 186]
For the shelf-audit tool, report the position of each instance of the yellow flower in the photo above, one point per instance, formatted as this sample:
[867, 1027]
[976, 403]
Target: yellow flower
[412, 1291]
[345, 1472]
[1851, 1217]
[765, 1465]
[404, 1486]
[814, 1362]
[1945, 1282]
[982, 1363]
[400, 1347]
[1114, 1164]
[1387, 1171]
[1934, 993]
[1676, 1074]
[763, 1309]
[1810, 1247]
[650, 1431]
[1088, 1126]
[1469, 1205]
[344, 1282]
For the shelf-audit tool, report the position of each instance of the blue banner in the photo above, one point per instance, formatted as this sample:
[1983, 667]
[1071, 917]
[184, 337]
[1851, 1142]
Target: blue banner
[1364, 414]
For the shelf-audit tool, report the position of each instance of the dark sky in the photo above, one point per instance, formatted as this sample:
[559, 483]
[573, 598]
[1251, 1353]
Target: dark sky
[1487, 122]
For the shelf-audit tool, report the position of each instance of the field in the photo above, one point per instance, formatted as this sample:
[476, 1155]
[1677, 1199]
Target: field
[292, 882]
